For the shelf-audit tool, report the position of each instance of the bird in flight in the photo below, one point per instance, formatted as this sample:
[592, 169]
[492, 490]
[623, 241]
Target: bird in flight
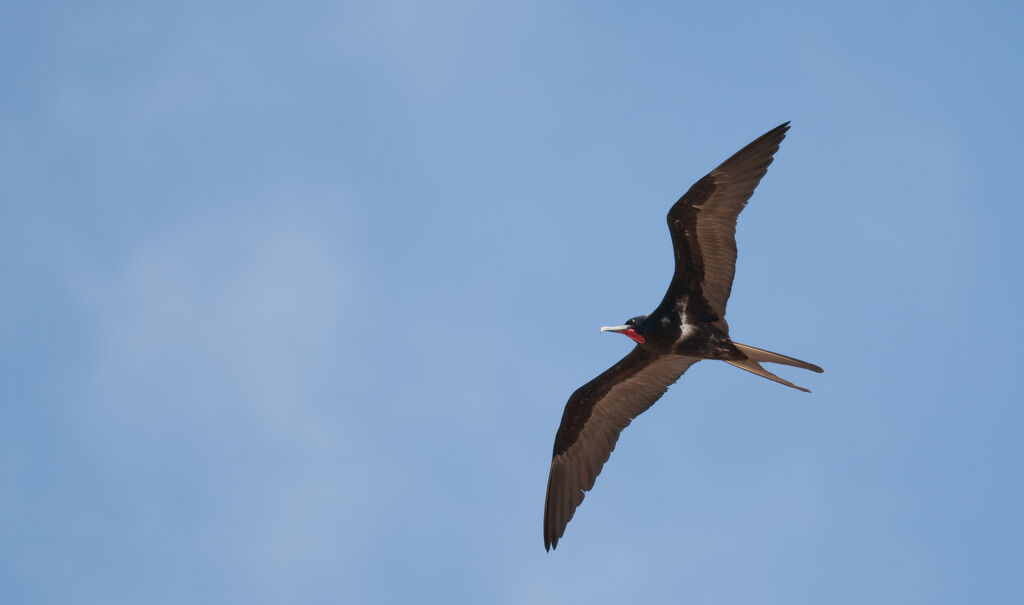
[688, 326]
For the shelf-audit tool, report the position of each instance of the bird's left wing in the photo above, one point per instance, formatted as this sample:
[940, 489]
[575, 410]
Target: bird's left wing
[594, 416]
[703, 228]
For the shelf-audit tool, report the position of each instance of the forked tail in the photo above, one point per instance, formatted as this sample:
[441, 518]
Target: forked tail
[755, 356]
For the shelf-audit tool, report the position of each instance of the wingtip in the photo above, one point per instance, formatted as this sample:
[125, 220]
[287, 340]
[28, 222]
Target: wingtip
[778, 132]
[781, 130]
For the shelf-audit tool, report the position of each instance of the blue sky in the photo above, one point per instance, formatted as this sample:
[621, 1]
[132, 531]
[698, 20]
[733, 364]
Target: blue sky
[293, 297]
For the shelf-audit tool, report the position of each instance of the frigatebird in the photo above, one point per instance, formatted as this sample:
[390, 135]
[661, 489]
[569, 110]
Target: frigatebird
[688, 326]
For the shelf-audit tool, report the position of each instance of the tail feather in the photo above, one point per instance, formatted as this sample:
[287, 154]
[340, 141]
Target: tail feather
[755, 356]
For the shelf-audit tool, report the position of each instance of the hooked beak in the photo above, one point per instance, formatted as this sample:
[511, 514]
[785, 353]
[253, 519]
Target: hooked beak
[627, 330]
[619, 329]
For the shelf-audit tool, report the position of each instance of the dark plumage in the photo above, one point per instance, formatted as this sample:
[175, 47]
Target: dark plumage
[688, 326]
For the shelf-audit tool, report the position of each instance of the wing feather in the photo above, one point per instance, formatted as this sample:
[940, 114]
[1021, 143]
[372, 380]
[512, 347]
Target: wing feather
[703, 228]
[594, 416]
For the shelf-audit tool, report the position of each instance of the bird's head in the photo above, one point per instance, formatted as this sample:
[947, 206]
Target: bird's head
[631, 328]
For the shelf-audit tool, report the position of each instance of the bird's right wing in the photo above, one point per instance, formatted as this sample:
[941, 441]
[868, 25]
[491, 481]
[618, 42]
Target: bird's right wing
[594, 416]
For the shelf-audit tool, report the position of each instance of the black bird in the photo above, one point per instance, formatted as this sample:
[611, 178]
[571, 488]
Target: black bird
[688, 326]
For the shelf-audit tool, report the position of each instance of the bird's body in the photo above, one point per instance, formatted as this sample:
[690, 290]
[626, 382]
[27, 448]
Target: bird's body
[688, 326]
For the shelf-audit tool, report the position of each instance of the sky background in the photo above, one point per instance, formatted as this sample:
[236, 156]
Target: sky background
[292, 296]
